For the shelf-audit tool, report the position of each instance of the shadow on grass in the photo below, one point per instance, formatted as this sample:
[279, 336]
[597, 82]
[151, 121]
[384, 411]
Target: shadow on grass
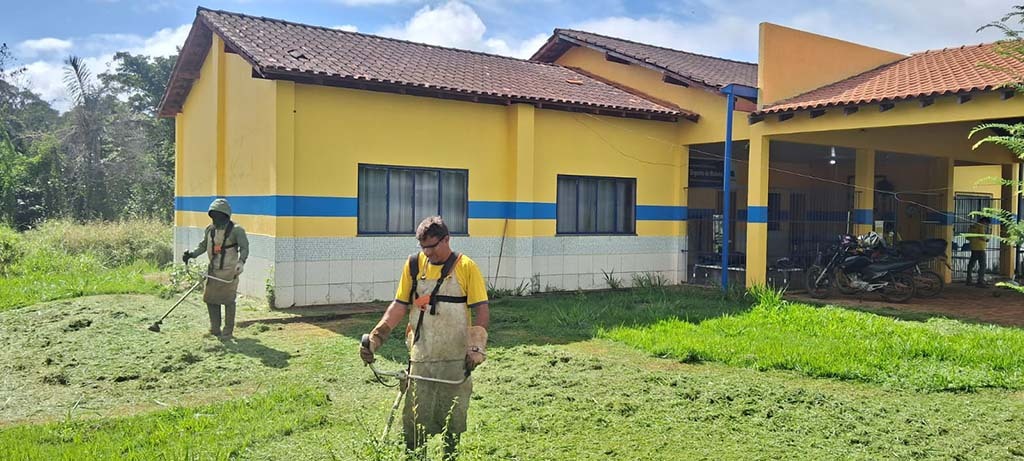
[561, 318]
[253, 348]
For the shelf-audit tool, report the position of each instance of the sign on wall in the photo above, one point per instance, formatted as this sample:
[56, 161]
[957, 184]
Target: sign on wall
[707, 173]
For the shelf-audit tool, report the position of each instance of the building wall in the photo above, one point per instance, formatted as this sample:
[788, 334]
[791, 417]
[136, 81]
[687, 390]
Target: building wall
[301, 212]
[792, 62]
[975, 180]
[710, 127]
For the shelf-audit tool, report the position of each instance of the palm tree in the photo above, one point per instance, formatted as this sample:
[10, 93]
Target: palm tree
[85, 140]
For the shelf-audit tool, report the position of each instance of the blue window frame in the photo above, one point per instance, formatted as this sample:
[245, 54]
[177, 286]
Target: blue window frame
[394, 199]
[596, 205]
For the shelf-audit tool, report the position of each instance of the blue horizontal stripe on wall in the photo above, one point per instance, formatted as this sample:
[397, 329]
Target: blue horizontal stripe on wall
[277, 205]
[757, 214]
[863, 216]
[945, 219]
[511, 210]
[660, 213]
[348, 207]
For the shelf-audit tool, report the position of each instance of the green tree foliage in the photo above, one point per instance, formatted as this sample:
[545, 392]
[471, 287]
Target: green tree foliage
[108, 157]
[1007, 135]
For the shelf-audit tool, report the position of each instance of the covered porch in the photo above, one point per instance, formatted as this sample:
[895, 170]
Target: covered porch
[889, 168]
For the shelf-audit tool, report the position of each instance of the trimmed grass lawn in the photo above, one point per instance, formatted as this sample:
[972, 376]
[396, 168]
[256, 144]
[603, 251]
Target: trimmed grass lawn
[567, 377]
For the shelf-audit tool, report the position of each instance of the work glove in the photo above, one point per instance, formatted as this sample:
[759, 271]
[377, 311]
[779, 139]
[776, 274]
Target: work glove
[186, 256]
[239, 268]
[476, 347]
[377, 337]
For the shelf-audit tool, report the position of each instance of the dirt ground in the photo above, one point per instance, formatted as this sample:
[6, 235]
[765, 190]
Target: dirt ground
[986, 305]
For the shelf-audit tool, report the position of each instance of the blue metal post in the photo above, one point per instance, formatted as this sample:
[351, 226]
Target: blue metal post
[730, 105]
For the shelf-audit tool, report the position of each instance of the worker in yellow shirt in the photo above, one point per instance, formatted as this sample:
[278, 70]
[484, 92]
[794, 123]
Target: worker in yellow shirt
[978, 244]
[446, 335]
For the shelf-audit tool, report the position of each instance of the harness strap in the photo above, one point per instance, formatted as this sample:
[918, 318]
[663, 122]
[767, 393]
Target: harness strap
[445, 270]
[451, 299]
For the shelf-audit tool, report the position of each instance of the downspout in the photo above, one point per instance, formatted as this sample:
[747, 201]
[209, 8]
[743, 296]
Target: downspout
[730, 91]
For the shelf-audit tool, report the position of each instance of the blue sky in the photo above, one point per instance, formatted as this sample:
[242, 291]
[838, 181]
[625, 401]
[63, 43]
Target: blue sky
[41, 33]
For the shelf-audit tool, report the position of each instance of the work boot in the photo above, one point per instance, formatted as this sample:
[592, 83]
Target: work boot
[214, 311]
[229, 320]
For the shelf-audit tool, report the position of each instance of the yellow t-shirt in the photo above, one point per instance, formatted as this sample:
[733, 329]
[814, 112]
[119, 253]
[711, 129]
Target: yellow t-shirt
[466, 273]
[978, 243]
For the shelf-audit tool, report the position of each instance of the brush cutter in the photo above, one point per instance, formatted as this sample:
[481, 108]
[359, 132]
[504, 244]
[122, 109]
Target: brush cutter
[155, 327]
[402, 376]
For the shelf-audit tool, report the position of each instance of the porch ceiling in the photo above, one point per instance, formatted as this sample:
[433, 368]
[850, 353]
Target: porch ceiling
[945, 140]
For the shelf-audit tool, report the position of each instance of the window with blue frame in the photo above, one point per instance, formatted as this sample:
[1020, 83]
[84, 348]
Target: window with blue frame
[596, 205]
[393, 200]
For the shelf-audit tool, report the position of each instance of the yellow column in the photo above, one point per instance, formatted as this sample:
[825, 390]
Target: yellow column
[943, 177]
[1010, 201]
[218, 48]
[864, 194]
[681, 199]
[179, 164]
[681, 184]
[757, 208]
[521, 224]
[282, 178]
[521, 118]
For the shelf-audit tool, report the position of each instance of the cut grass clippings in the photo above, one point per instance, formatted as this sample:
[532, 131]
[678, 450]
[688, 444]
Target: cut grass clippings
[79, 373]
[936, 355]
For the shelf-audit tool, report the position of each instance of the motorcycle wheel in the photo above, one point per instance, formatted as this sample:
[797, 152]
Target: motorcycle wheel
[900, 287]
[818, 290]
[928, 284]
[844, 284]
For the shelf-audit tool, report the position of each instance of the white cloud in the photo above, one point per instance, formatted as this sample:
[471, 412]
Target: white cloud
[46, 76]
[453, 24]
[732, 36]
[371, 2]
[523, 50]
[457, 25]
[346, 28]
[32, 48]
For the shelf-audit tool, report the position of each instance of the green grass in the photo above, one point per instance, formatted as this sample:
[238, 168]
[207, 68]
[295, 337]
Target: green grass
[219, 431]
[549, 390]
[936, 355]
[61, 260]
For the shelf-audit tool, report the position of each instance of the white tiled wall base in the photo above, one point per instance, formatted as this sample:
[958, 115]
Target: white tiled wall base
[361, 269]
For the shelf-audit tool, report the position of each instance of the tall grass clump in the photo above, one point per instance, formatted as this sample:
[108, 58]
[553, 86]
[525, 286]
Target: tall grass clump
[115, 243]
[11, 249]
[830, 342]
[63, 259]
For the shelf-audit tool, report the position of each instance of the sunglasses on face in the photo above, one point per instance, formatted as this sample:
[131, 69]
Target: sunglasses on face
[427, 247]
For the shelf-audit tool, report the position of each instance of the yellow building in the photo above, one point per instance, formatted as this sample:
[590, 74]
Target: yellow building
[596, 156]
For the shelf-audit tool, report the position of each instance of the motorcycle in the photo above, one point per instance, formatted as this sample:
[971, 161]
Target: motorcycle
[848, 270]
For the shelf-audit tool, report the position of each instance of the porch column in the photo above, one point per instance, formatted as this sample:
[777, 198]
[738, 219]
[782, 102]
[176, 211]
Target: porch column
[864, 195]
[682, 200]
[757, 210]
[943, 177]
[1010, 201]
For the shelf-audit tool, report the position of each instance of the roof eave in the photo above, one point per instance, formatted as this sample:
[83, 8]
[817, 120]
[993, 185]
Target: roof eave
[413, 89]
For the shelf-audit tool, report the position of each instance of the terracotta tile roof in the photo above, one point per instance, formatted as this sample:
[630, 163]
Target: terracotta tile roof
[930, 73]
[707, 70]
[311, 54]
